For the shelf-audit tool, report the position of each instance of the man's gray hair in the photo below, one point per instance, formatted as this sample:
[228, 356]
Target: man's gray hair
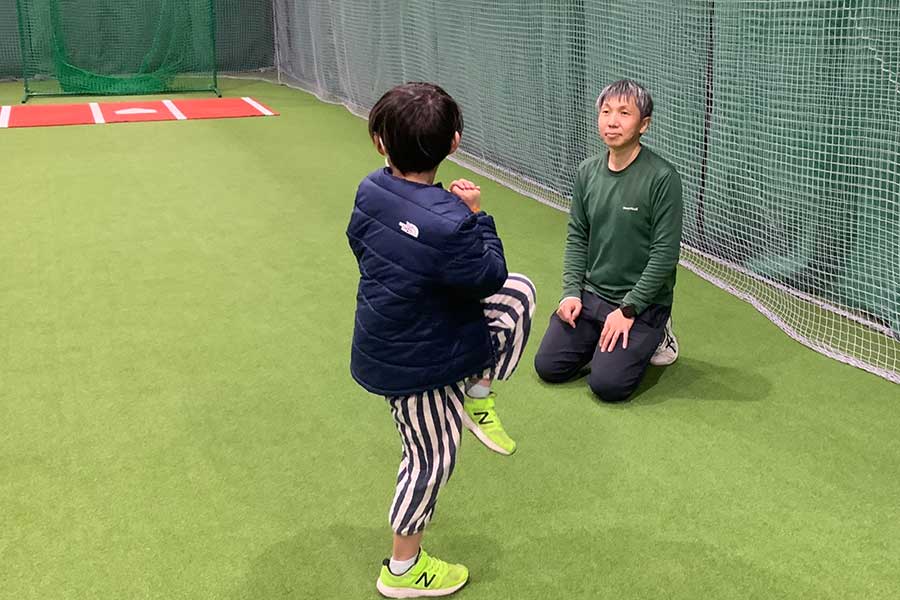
[626, 88]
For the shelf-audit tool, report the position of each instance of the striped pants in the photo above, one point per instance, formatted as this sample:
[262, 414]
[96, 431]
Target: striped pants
[430, 423]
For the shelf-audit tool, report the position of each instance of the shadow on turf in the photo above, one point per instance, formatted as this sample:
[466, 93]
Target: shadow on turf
[343, 561]
[636, 561]
[687, 379]
[693, 379]
[319, 562]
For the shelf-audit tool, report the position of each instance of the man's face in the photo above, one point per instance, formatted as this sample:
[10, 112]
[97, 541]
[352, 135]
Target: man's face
[620, 123]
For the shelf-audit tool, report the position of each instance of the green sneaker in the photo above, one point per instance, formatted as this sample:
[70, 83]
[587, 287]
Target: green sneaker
[481, 419]
[428, 577]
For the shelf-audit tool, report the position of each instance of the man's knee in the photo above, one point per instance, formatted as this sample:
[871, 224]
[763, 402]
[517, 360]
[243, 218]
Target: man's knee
[549, 369]
[608, 389]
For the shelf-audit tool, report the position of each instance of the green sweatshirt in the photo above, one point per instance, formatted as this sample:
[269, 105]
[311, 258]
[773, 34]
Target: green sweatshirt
[624, 231]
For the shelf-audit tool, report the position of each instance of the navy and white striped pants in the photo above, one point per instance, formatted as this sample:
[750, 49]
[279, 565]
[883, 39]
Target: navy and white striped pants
[430, 422]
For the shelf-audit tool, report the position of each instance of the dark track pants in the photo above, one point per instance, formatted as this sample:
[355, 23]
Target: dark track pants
[614, 376]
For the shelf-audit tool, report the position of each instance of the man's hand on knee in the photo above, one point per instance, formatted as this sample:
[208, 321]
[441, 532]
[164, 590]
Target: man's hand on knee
[616, 325]
[568, 310]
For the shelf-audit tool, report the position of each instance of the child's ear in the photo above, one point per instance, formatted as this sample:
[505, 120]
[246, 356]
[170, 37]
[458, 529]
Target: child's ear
[455, 144]
[379, 145]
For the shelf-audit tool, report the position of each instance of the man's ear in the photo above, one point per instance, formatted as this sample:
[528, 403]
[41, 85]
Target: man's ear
[379, 145]
[645, 123]
[455, 144]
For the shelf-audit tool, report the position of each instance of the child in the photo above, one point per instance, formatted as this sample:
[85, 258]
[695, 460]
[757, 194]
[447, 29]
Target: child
[438, 318]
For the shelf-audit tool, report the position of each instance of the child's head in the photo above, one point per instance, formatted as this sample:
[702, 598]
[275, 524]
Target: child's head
[416, 125]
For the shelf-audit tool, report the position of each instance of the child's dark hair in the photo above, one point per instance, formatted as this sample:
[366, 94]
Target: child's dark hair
[416, 123]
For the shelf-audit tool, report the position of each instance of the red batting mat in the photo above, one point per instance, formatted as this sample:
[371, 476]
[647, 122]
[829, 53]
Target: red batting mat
[99, 113]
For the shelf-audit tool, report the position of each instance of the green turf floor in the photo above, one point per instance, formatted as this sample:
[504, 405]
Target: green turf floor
[177, 419]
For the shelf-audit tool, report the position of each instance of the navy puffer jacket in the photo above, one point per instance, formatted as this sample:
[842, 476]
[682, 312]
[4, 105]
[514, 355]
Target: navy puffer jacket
[425, 261]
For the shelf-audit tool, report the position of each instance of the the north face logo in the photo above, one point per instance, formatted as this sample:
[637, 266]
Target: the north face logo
[409, 229]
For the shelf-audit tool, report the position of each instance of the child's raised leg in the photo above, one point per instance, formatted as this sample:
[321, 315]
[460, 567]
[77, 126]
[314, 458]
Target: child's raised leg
[509, 313]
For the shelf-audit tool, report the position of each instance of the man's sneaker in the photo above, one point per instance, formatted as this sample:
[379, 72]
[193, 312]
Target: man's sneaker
[667, 351]
[429, 577]
[480, 418]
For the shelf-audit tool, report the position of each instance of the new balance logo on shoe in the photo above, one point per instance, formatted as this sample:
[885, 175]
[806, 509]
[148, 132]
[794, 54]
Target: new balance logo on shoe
[483, 415]
[409, 228]
[424, 576]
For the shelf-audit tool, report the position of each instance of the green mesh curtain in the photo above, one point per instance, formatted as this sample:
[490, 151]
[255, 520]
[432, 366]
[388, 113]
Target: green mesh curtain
[117, 46]
[244, 39]
[10, 55]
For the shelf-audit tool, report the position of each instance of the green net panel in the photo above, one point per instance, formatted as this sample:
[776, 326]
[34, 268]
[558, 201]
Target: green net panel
[783, 118]
[244, 38]
[114, 47]
[10, 55]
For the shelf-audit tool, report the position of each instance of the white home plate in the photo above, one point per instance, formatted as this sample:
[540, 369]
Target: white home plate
[136, 111]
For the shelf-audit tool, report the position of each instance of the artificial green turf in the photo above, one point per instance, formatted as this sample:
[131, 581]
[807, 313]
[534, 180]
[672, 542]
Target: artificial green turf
[178, 420]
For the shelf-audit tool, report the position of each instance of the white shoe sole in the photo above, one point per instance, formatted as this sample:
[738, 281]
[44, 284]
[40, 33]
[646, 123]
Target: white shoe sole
[484, 439]
[663, 363]
[391, 592]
